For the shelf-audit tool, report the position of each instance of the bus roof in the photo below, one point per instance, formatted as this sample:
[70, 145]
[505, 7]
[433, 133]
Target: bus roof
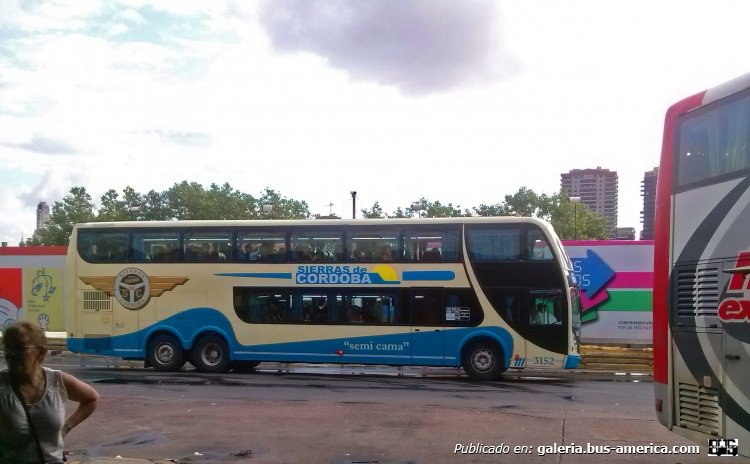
[726, 89]
[282, 223]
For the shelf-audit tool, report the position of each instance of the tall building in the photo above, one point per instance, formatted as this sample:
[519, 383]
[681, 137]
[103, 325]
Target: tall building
[597, 189]
[42, 217]
[648, 192]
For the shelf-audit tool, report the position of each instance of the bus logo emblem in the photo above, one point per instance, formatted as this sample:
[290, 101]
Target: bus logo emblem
[132, 288]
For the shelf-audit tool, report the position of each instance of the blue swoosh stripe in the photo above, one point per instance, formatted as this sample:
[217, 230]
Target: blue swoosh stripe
[428, 275]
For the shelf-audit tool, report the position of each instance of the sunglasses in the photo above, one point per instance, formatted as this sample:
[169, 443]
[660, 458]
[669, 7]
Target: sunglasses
[22, 350]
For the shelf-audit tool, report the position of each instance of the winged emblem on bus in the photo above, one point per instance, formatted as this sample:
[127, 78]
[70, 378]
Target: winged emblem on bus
[132, 287]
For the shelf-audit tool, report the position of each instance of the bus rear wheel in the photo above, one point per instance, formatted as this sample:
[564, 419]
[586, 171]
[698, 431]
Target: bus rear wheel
[483, 361]
[165, 353]
[211, 354]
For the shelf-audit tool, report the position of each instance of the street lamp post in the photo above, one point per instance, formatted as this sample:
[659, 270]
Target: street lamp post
[354, 204]
[575, 201]
[134, 210]
[417, 208]
[268, 209]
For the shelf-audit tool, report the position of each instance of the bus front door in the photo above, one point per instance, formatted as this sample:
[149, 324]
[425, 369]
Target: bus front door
[427, 331]
[547, 338]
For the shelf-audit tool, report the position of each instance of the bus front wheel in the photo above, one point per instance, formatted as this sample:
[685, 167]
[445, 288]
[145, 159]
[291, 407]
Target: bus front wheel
[165, 353]
[211, 354]
[483, 361]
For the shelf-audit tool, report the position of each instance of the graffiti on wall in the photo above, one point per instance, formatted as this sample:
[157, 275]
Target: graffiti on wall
[43, 298]
[32, 294]
[10, 296]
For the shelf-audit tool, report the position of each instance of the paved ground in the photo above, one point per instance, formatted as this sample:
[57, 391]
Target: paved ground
[292, 414]
[332, 419]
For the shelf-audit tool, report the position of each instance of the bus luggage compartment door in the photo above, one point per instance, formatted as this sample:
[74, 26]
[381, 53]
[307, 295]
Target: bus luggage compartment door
[736, 388]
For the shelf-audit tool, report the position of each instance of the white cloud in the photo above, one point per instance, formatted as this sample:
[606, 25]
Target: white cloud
[422, 46]
[118, 29]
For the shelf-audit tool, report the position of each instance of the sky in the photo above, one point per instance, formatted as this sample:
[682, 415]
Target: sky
[461, 102]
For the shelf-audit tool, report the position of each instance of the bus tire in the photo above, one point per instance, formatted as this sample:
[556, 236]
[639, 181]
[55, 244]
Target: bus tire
[483, 361]
[211, 354]
[165, 353]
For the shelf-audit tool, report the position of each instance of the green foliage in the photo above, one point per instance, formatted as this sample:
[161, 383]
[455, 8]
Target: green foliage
[32, 241]
[282, 207]
[75, 208]
[497, 209]
[570, 220]
[155, 207]
[182, 201]
[432, 210]
[401, 213]
[190, 201]
[376, 212]
[576, 220]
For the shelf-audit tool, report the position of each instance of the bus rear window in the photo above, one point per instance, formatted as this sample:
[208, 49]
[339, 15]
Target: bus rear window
[714, 142]
[103, 247]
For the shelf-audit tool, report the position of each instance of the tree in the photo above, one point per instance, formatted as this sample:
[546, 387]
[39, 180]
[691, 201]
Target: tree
[568, 219]
[282, 207]
[114, 209]
[376, 212]
[31, 241]
[497, 209]
[400, 213]
[111, 208]
[75, 208]
[188, 200]
[155, 207]
[524, 203]
[576, 220]
[432, 210]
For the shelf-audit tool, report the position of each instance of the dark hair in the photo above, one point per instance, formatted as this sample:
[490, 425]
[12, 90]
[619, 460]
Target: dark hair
[13, 336]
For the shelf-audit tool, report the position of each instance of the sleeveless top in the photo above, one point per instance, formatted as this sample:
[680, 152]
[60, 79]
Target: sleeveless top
[48, 414]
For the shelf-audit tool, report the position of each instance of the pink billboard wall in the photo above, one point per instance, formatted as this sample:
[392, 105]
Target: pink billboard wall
[616, 277]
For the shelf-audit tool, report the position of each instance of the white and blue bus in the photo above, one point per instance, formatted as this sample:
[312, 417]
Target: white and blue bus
[487, 294]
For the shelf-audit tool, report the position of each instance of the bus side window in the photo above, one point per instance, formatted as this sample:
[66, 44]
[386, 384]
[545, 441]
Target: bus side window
[427, 306]
[545, 311]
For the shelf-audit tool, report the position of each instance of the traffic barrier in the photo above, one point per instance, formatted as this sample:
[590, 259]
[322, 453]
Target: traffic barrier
[625, 358]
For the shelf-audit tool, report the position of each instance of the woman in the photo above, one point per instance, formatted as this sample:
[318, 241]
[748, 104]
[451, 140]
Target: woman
[32, 400]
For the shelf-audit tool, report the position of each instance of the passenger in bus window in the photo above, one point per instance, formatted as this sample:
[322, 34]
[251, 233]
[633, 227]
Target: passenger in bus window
[385, 253]
[250, 253]
[543, 316]
[191, 253]
[357, 255]
[92, 252]
[354, 313]
[267, 251]
[302, 252]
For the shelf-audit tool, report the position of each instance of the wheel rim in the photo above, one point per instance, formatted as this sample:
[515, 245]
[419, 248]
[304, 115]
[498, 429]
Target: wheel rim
[212, 354]
[165, 353]
[483, 360]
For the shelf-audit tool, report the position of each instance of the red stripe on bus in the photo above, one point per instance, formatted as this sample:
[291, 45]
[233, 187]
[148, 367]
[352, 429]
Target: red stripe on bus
[662, 233]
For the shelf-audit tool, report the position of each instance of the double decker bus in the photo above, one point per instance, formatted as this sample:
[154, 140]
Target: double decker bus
[701, 267]
[486, 294]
